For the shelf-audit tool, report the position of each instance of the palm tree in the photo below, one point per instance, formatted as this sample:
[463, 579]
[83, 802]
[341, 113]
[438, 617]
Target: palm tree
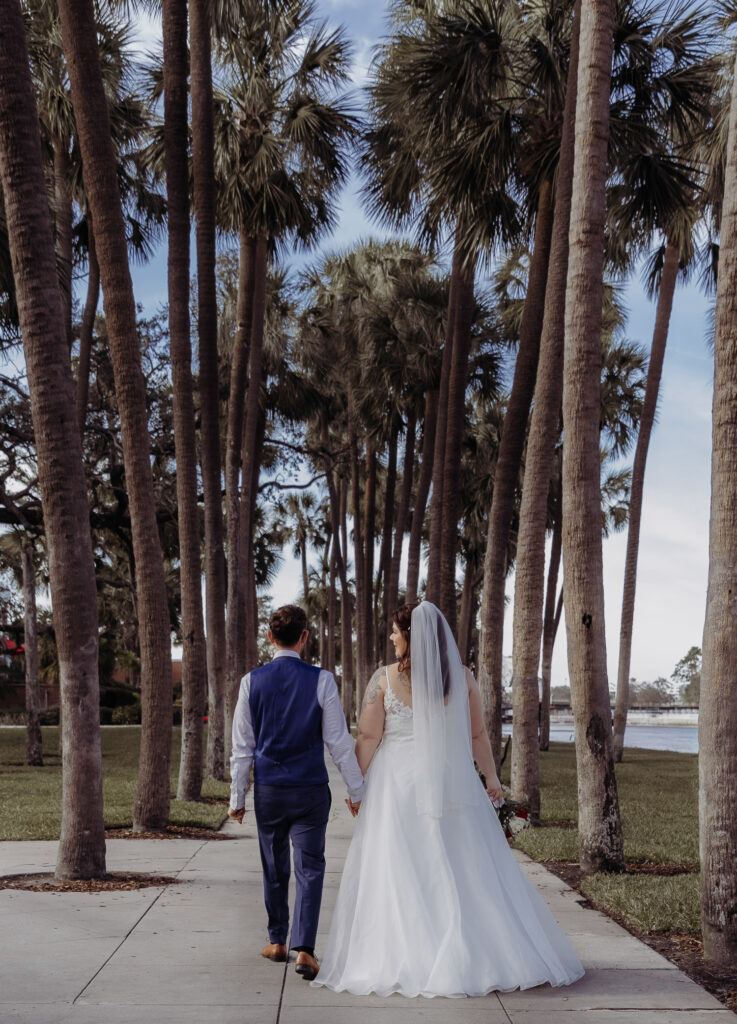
[600, 828]
[93, 131]
[81, 852]
[283, 142]
[717, 705]
[661, 196]
[440, 107]
[203, 166]
[530, 561]
[194, 670]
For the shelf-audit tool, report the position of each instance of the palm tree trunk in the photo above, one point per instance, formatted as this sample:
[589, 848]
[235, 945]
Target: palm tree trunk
[194, 668]
[370, 510]
[401, 523]
[436, 498]
[550, 625]
[652, 389]
[455, 427]
[346, 619]
[34, 744]
[362, 674]
[599, 825]
[305, 577]
[530, 564]
[529, 619]
[506, 476]
[346, 642]
[385, 559]
[81, 851]
[249, 569]
[64, 217]
[332, 606]
[79, 36]
[235, 444]
[250, 454]
[718, 704]
[87, 328]
[467, 603]
[203, 150]
[423, 489]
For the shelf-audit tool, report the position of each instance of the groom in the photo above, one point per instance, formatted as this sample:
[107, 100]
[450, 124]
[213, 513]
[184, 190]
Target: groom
[286, 711]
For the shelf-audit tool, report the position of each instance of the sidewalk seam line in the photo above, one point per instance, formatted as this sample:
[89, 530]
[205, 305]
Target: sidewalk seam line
[281, 990]
[504, 1009]
[135, 925]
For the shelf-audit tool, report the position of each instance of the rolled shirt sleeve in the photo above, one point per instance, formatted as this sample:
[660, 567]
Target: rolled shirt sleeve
[337, 737]
[244, 744]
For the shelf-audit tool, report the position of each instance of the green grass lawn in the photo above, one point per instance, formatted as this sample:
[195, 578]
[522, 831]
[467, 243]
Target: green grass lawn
[30, 798]
[658, 795]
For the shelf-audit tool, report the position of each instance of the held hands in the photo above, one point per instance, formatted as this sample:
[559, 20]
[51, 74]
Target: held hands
[352, 807]
[494, 789]
[237, 815]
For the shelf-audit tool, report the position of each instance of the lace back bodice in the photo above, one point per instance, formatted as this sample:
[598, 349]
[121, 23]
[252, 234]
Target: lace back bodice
[398, 720]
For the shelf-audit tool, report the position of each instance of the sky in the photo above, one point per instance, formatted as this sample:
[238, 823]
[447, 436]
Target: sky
[673, 558]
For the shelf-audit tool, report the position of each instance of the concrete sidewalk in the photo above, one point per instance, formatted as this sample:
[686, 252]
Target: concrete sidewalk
[189, 953]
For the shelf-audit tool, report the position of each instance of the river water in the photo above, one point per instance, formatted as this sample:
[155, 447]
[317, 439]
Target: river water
[683, 738]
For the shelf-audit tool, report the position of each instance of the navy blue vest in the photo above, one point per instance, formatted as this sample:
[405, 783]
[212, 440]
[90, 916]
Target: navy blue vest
[287, 724]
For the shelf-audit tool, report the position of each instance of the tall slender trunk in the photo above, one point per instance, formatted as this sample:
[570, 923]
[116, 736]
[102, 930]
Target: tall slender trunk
[305, 576]
[401, 524]
[467, 602]
[455, 426]
[346, 644]
[528, 623]
[203, 162]
[550, 625]
[249, 569]
[423, 489]
[370, 511]
[87, 329]
[506, 475]
[385, 559]
[34, 745]
[332, 606]
[194, 667]
[436, 497]
[718, 704]
[362, 672]
[64, 218]
[599, 825]
[79, 36]
[234, 449]
[250, 454]
[346, 617]
[81, 850]
[652, 389]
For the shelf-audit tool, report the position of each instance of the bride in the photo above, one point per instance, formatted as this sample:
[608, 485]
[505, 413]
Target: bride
[432, 901]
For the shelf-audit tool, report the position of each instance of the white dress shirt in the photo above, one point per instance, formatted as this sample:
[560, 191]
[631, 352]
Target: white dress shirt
[334, 733]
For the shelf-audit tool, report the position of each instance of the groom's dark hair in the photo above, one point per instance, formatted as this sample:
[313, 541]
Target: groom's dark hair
[287, 624]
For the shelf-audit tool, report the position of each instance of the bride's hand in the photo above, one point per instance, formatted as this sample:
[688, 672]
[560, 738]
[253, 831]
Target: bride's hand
[494, 789]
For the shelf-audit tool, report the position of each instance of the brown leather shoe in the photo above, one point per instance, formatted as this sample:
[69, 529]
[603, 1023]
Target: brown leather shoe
[307, 966]
[276, 952]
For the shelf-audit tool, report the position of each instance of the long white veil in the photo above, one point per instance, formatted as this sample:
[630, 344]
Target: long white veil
[442, 721]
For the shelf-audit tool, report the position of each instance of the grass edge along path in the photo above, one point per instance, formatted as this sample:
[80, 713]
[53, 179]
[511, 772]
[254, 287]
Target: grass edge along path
[657, 898]
[30, 798]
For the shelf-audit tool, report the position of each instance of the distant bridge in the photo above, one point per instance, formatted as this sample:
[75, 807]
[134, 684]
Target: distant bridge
[566, 710]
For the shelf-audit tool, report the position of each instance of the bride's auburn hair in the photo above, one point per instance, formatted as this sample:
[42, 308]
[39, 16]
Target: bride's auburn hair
[402, 618]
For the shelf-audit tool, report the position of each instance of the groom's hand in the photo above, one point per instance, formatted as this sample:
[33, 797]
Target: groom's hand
[353, 807]
[237, 815]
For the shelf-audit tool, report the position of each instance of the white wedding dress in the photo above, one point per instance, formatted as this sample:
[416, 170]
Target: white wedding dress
[435, 906]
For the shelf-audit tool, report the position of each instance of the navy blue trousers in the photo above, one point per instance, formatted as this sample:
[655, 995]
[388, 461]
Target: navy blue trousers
[300, 814]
